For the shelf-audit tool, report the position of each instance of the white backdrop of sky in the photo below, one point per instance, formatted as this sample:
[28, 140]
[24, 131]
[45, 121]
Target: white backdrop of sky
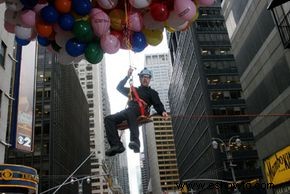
[117, 66]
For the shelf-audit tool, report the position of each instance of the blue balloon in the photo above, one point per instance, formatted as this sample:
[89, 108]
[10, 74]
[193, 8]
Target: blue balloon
[22, 42]
[43, 41]
[138, 42]
[66, 22]
[29, 4]
[49, 14]
[82, 7]
[74, 47]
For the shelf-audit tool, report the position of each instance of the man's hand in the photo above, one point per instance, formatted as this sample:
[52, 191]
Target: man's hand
[165, 115]
[130, 71]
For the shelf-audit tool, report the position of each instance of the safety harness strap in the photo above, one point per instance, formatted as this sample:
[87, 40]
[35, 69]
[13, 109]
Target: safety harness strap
[142, 104]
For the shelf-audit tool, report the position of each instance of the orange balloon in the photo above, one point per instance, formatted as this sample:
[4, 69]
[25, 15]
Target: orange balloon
[63, 6]
[43, 29]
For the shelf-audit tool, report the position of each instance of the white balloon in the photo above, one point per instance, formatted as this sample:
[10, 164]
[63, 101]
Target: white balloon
[150, 23]
[62, 37]
[174, 21]
[22, 32]
[140, 3]
[14, 5]
[107, 4]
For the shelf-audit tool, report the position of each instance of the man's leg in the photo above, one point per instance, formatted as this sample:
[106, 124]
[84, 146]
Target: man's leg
[111, 122]
[133, 114]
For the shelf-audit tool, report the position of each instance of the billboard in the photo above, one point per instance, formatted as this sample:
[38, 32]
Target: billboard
[23, 110]
[277, 167]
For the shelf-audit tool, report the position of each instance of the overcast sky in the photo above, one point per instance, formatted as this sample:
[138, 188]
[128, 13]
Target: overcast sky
[117, 66]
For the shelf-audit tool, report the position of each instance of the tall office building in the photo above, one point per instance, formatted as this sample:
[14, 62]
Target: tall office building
[93, 80]
[61, 138]
[260, 36]
[158, 160]
[6, 71]
[206, 102]
[161, 67]
[163, 172]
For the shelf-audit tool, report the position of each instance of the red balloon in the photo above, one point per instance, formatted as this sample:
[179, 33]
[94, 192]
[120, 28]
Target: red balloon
[159, 11]
[43, 29]
[63, 6]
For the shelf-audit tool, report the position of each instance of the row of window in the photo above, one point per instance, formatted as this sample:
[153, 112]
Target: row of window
[229, 111]
[3, 50]
[225, 95]
[223, 79]
[219, 65]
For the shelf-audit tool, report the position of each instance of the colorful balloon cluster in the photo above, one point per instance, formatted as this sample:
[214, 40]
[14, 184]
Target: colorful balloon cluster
[88, 29]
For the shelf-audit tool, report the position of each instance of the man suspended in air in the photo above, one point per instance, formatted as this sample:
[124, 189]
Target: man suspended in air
[140, 100]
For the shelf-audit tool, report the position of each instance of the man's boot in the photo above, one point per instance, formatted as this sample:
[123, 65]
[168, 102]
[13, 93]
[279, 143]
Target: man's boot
[134, 146]
[117, 149]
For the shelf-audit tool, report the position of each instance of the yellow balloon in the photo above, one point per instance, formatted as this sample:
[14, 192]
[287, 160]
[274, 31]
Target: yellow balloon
[169, 29]
[117, 18]
[79, 17]
[153, 37]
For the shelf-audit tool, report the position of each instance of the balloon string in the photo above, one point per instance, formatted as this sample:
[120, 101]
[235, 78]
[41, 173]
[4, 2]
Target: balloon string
[127, 33]
[126, 24]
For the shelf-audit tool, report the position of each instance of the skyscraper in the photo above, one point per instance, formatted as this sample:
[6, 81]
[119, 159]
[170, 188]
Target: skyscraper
[158, 160]
[206, 102]
[61, 139]
[6, 71]
[161, 67]
[93, 80]
[260, 36]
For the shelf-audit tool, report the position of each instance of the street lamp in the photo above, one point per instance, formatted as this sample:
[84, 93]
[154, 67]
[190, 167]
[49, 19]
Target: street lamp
[80, 182]
[229, 154]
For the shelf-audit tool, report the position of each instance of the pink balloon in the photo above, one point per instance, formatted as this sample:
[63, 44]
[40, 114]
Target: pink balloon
[100, 22]
[9, 27]
[12, 17]
[185, 9]
[205, 2]
[135, 21]
[107, 4]
[110, 44]
[27, 18]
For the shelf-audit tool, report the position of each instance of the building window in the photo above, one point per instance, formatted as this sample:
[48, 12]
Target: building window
[3, 49]
[281, 15]
[0, 101]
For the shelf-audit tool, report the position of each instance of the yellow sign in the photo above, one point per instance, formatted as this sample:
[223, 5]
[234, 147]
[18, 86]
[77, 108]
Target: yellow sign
[277, 167]
[7, 174]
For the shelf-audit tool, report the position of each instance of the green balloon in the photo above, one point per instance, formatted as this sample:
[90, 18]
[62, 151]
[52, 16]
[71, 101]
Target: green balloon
[94, 53]
[83, 31]
[55, 46]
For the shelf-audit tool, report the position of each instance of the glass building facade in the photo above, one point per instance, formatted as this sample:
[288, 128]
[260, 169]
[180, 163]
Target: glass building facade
[61, 139]
[206, 102]
[260, 43]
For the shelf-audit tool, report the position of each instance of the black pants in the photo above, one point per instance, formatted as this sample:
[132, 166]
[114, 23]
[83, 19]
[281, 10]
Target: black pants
[130, 114]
